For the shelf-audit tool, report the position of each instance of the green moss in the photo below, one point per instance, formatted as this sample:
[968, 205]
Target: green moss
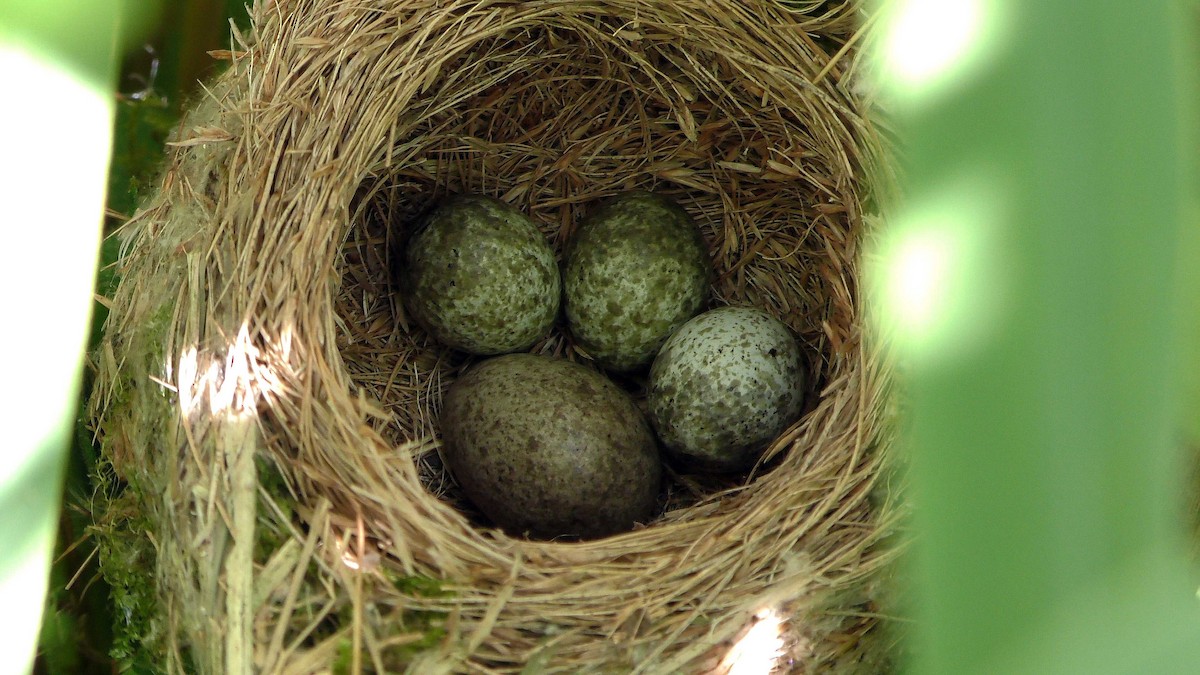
[433, 635]
[126, 555]
[272, 531]
[396, 658]
[345, 658]
[126, 494]
[420, 586]
[430, 623]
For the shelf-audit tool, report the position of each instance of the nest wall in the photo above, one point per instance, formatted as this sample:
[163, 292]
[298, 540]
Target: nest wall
[271, 415]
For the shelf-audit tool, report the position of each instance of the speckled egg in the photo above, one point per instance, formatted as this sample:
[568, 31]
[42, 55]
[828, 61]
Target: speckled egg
[636, 270]
[480, 277]
[724, 386]
[549, 448]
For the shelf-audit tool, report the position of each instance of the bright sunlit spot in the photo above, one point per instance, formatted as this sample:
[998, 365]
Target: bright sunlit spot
[354, 558]
[229, 390]
[938, 280]
[919, 276]
[929, 42]
[759, 651]
[189, 361]
[231, 383]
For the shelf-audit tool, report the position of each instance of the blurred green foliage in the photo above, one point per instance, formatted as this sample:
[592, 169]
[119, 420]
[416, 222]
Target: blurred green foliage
[1049, 234]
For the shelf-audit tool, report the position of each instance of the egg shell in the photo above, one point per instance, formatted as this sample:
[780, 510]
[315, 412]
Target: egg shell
[550, 448]
[480, 277]
[635, 270]
[723, 386]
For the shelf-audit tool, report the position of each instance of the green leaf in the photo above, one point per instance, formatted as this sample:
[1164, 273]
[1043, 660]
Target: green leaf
[1036, 286]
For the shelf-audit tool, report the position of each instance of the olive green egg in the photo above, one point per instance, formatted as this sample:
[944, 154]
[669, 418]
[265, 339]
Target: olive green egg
[724, 386]
[480, 277]
[549, 448]
[635, 270]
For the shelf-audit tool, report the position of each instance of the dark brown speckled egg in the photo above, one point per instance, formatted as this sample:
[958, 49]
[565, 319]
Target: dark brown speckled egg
[549, 448]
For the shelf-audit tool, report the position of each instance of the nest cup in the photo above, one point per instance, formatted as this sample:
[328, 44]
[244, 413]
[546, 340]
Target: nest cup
[269, 414]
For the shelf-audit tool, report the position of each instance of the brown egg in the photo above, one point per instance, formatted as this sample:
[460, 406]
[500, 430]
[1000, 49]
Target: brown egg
[549, 448]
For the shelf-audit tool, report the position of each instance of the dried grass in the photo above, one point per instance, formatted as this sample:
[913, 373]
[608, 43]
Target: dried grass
[289, 471]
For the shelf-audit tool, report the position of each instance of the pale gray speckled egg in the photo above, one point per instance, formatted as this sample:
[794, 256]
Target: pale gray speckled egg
[635, 271]
[724, 386]
[480, 277]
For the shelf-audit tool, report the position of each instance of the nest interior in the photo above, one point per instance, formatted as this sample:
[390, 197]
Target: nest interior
[272, 413]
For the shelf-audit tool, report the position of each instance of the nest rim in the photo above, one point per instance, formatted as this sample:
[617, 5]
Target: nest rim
[294, 374]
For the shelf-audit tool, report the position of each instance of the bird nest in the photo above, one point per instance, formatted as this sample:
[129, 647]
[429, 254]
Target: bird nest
[269, 415]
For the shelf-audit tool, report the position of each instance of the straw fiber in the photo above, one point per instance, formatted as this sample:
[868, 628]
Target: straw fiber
[269, 414]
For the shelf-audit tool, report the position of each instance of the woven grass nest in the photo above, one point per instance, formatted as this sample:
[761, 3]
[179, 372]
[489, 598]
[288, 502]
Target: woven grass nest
[269, 415]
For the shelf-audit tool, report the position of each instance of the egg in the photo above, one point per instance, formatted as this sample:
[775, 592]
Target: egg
[724, 386]
[635, 270]
[549, 448]
[480, 277]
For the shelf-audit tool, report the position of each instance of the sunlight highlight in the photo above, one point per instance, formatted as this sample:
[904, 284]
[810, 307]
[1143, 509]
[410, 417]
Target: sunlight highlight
[230, 388]
[921, 262]
[368, 561]
[939, 280]
[233, 383]
[931, 42]
[760, 650]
